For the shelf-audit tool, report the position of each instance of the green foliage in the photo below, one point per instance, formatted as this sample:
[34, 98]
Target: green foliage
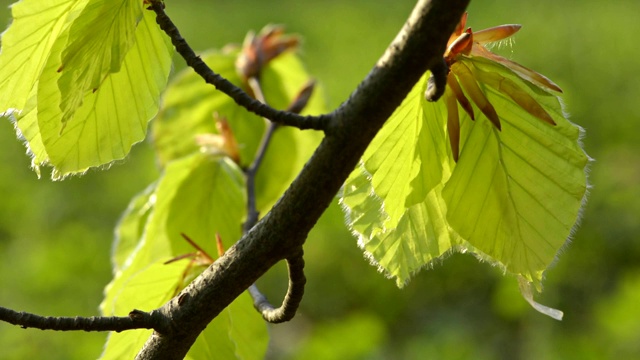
[201, 193]
[201, 196]
[91, 77]
[190, 105]
[607, 240]
[512, 199]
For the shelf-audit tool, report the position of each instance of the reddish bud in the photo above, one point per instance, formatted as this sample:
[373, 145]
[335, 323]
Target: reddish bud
[258, 50]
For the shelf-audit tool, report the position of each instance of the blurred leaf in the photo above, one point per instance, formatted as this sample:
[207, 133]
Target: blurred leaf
[145, 290]
[618, 317]
[188, 109]
[210, 200]
[198, 195]
[238, 332]
[130, 228]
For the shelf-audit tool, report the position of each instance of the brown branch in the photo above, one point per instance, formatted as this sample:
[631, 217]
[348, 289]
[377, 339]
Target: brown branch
[136, 320]
[282, 232]
[222, 84]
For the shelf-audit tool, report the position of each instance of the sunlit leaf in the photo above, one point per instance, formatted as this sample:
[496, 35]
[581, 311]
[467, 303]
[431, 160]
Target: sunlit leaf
[130, 228]
[26, 46]
[238, 332]
[393, 200]
[516, 194]
[145, 290]
[98, 41]
[210, 201]
[201, 196]
[66, 120]
[512, 198]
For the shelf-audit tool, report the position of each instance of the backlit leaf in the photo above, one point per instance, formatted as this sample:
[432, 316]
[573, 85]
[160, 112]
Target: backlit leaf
[145, 290]
[393, 199]
[98, 41]
[516, 194]
[512, 198]
[53, 58]
[26, 46]
[198, 195]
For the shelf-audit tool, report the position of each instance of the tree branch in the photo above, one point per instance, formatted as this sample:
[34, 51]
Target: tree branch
[222, 84]
[350, 129]
[136, 320]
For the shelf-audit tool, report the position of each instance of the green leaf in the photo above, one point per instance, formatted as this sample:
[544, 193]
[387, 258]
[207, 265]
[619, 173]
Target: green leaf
[145, 290]
[98, 41]
[198, 195]
[512, 199]
[210, 201]
[26, 46]
[185, 115]
[238, 332]
[130, 228]
[393, 200]
[66, 120]
[188, 108]
[515, 194]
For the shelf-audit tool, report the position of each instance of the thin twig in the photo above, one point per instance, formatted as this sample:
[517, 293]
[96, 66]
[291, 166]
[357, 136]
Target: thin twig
[295, 263]
[222, 84]
[252, 170]
[292, 299]
[136, 320]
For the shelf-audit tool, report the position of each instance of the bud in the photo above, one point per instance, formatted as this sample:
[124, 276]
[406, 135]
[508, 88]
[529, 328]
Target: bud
[258, 50]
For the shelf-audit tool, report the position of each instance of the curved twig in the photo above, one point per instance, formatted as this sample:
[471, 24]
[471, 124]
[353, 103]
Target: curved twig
[224, 85]
[292, 299]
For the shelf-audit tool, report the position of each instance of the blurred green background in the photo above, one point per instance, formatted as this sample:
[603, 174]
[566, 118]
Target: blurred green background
[55, 238]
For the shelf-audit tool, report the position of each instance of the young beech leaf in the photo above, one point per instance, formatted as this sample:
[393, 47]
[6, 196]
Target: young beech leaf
[199, 195]
[98, 41]
[147, 289]
[26, 46]
[393, 200]
[507, 187]
[516, 194]
[67, 121]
